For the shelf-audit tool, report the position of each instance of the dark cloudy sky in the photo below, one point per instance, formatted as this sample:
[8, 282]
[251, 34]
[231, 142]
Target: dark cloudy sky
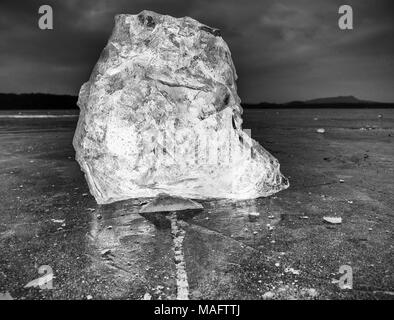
[283, 50]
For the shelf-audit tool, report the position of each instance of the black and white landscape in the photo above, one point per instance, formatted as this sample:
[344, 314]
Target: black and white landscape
[318, 99]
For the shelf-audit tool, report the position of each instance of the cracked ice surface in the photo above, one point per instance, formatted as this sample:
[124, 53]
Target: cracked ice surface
[160, 114]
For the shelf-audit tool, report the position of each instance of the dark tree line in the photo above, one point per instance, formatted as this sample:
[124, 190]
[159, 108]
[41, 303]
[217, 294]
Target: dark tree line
[37, 101]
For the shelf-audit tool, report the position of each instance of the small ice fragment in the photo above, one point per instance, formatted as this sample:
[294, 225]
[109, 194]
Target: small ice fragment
[105, 252]
[292, 270]
[6, 296]
[147, 296]
[58, 220]
[268, 295]
[312, 292]
[253, 216]
[166, 203]
[333, 220]
[41, 281]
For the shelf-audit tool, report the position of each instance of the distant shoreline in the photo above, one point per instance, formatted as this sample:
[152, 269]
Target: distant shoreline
[39, 116]
[319, 106]
[42, 101]
[37, 101]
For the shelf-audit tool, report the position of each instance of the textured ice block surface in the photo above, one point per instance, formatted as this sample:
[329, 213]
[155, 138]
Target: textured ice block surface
[160, 114]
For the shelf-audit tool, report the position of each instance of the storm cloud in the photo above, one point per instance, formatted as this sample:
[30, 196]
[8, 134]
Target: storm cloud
[283, 50]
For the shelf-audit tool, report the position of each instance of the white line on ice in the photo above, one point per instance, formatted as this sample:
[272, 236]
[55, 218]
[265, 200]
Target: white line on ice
[178, 235]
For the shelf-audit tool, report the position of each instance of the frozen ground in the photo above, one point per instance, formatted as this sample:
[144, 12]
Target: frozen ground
[47, 217]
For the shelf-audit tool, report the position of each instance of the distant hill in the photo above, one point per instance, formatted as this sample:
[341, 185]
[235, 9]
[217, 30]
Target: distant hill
[53, 101]
[330, 102]
[37, 101]
[338, 100]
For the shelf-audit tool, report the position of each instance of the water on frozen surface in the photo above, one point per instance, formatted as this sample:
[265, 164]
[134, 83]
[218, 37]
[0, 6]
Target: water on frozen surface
[227, 250]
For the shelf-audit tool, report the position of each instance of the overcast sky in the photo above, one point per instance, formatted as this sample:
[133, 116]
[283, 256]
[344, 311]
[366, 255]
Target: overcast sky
[283, 50]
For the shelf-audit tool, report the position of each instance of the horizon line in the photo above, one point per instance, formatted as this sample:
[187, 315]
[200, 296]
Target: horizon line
[361, 101]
